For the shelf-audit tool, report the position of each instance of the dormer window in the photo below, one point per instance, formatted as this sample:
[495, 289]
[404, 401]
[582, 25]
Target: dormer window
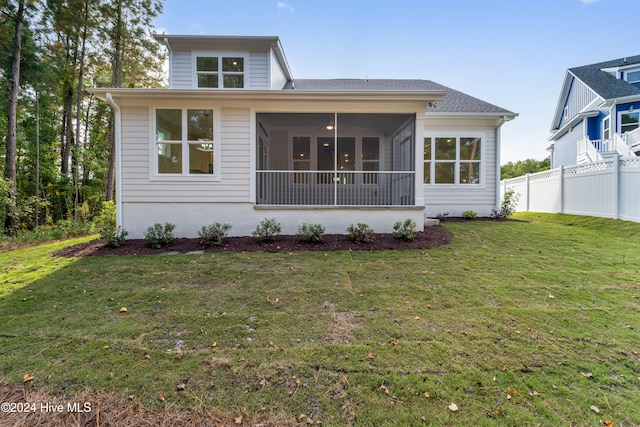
[220, 72]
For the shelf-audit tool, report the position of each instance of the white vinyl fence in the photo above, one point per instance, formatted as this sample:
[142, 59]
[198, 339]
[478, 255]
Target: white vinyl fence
[608, 188]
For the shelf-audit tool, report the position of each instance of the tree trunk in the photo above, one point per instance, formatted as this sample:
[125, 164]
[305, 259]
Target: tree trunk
[10, 169]
[116, 80]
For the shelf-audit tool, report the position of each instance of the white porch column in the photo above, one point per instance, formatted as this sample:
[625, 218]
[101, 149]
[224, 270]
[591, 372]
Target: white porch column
[419, 158]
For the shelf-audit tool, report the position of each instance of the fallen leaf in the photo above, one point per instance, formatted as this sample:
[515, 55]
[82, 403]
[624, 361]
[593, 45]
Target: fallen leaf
[509, 397]
[417, 317]
[453, 407]
[608, 423]
[178, 357]
[201, 330]
[181, 387]
[426, 394]
[504, 369]
[511, 391]
[383, 388]
[424, 271]
[587, 374]
[124, 310]
[302, 416]
[369, 355]
[105, 347]
[215, 344]
[394, 342]
[309, 421]
[161, 397]
[146, 356]
[551, 296]
[534, 393]
[238, 420]
[27, 377]
[595, 409]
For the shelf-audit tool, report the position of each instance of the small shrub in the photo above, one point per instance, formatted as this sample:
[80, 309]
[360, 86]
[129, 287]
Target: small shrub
[267, 229]
[361, 233]
[469, 215]
[213, 234]
[405, 230]
[160, 236]
[310, 232]
[117, 238]
[105, 221]
[507, 206]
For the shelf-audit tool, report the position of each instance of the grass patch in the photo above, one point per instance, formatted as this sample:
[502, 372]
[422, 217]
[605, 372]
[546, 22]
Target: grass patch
[544, 311]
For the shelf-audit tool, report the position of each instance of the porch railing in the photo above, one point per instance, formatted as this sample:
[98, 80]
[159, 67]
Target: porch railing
[331, 188]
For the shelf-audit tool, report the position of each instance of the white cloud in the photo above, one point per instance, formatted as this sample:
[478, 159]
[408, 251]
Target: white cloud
[284, 6]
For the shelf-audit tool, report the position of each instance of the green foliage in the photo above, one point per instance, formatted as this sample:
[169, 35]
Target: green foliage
[523, 167]
[105, 222]
[469, 214]
[405, 230]
[507, 205]
[267, 229]
[213, 234]
[310, 232]
[117, 238]
[361, 233]
[160, 236]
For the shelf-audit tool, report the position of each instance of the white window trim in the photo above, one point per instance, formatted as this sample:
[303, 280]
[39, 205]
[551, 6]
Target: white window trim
[457, 134]
[620, 113]
[219, 54]
[155, 176]
[606, 128]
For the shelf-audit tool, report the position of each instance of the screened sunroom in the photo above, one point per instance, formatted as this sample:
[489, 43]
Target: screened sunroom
[335, 159]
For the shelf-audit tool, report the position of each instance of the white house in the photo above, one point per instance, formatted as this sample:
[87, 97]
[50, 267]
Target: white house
[235, 138]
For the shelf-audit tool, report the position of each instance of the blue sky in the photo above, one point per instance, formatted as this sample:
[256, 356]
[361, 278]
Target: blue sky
[512, 53]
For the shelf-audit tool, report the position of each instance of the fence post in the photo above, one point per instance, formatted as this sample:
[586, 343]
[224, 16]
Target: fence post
[527, 191]
[561, 189]
[616, 187]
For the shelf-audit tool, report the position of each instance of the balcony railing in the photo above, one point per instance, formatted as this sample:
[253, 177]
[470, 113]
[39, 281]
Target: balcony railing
[331, 188]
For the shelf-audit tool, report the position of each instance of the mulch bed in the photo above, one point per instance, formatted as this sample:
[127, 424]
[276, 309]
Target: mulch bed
[431, 237]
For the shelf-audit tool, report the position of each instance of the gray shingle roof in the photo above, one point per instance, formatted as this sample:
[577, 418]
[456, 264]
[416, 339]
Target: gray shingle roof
[603, 83]
[453, 102]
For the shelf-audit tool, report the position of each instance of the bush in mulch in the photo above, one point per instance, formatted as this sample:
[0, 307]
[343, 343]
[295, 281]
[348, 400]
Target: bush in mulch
[91, 409]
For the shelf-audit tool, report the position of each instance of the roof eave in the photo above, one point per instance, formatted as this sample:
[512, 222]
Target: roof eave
[557, 133]
[412, 96]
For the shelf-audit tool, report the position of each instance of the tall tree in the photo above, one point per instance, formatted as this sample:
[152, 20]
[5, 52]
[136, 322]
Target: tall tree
[18, 17]
[135, 57]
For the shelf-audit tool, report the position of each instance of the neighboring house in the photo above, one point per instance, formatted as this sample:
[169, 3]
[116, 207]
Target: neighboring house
[235, 138]
[598, 113]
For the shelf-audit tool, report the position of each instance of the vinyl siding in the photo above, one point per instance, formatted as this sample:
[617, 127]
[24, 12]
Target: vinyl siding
[181, 70]
[578, 98]
[456, 199]
[565, 151]
[234, 151]
[258, 71]
[278, 79]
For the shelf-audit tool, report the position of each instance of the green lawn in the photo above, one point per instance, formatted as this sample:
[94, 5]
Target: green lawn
[516, 323]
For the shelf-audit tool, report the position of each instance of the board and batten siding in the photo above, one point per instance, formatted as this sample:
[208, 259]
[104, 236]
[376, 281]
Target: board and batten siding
[580, 95]
[456, 199]
[138, 187]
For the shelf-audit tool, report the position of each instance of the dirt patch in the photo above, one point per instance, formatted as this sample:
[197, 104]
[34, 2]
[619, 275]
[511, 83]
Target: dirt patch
[35, 407]
[431, 237]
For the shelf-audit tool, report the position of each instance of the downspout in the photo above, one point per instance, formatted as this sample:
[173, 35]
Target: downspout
[503, 120]
[118, 137]
[166, 42]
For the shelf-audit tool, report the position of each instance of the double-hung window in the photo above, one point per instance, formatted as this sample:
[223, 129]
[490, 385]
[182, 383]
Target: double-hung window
[225, 72]
[452, 160]
[184, 142]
